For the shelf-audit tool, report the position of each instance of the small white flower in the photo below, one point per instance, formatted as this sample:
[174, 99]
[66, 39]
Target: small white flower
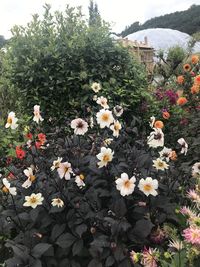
[159, 164]
[11, 121]
[165, 153]
[95, 97]
[103, 102]
[104, 118]
[196, 170]
[33, 200]
[80, 126]
[105, 156]
[79, 180]
[65, 170]
[91, 122]
[118, 110]
[125, 185]
[148, 186]
[37, 116]
[56, 164]
[57, 202]
[156, 138]
[8, 188]
[28, 143]
[184, 146]
[152, 121]
[107, 141]
[29, 173]
[96, 87]
[116, 127]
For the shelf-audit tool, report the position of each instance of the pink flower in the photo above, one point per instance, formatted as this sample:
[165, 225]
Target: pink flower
[192, 235]
[187, 211]
[149, 257]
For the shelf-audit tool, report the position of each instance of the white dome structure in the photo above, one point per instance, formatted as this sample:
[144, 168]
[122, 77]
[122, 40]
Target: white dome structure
[160, 38]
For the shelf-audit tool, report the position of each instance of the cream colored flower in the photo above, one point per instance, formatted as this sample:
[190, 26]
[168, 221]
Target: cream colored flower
[56, 164]
[79, 180]
[96, 87]
[80, 126]
[11, 121]
[165, 153]
[177, 244]
[196, 170]
[184, 146]
[37, 116]
[33, 200]
[104, 118]
[103, 102]
[29, 173]
[8, 189]
[148, 186]
[159, 164]
[116, 127]
[156, 138]
[57, 202]
[65, 170]
[105, 156]
[152, 121]
[125, 185]
[118, 110]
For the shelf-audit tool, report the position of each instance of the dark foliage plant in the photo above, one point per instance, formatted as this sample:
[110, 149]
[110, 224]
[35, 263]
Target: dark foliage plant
[97, 226]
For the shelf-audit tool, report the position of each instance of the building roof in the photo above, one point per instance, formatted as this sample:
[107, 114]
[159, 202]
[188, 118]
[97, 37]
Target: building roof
[160, 38]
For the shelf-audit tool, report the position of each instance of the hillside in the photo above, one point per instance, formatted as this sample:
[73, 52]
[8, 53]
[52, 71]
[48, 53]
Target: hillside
[187, 21]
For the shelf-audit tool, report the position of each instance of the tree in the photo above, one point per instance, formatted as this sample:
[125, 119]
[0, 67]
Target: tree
[94, 15]
[2, 41]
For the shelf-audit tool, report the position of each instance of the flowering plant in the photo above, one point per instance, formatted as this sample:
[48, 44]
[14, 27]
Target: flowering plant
[90, 192]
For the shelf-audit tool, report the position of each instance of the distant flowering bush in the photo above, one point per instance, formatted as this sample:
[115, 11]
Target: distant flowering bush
[95, 193]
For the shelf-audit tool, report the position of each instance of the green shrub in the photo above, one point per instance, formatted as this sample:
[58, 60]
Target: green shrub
[53, 61]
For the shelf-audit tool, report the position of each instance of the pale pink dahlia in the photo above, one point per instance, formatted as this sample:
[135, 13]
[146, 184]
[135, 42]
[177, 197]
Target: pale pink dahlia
[192, 235]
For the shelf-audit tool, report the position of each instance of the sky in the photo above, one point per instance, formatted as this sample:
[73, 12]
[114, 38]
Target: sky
[119, 13]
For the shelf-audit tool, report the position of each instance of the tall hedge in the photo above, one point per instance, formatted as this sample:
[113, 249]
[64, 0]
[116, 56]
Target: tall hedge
[53, 61]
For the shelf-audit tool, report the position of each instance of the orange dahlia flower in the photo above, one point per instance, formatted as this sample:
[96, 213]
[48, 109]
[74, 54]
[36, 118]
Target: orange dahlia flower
[182, 101]
[180, 79]
[194, 89]
[186, 67]
[159, 124]
[166, 115]
[195, 59]
[197, 80]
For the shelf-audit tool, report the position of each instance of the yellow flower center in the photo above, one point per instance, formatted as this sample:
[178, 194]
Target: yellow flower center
[127, 184]
[58, 200]
[82, 177]
[32, 178]
[105, 117]
[106, 158]
[9, 120]
[33, 200]
[5, 189]
[116, 127]
[147, 187]
[160, 164]
[66, 169]
[57, 164]
[195, 235]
